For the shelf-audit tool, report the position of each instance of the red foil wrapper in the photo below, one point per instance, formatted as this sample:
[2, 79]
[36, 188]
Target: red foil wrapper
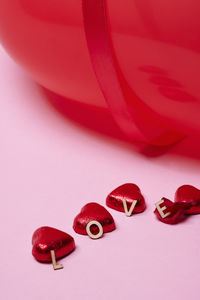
[190, 195]
[93, 212]
[129, 192]
[176, 209]
[46, 239]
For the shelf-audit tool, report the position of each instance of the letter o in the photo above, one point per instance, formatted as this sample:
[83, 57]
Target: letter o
[91, 235]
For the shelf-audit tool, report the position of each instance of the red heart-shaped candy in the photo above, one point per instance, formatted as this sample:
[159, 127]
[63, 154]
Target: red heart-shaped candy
[93, 212]
[129, 192]
[190, 195]
[46, 239]
[176, 210]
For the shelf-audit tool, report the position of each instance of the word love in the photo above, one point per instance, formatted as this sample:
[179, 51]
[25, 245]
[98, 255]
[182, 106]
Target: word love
[50, 244]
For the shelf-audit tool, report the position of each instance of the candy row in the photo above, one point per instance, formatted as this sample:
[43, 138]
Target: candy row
[50, 244]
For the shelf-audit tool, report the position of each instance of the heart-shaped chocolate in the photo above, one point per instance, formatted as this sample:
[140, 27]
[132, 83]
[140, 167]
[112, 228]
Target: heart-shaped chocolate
[46, 239]
[190, 195]
[175, 211]
[93, 212]
[129, 192]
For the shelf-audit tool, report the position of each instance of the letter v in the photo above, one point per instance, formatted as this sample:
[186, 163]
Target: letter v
[128, 212]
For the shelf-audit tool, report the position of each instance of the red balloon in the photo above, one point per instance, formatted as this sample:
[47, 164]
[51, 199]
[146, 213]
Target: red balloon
[154, 50]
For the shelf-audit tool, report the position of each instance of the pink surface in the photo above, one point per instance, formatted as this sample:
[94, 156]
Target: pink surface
[50, 168]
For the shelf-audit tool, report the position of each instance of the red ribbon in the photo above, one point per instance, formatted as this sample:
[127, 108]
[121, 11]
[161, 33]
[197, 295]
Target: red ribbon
[116, 90]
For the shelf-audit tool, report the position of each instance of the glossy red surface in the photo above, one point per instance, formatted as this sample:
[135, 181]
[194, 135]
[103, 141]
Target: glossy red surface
[46, 239]
[93, 212]
[177, 212]
[190, 195]
[129, 192]
[156, 45]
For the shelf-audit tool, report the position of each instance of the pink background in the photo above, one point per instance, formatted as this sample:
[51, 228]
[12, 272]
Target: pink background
[50, 167]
